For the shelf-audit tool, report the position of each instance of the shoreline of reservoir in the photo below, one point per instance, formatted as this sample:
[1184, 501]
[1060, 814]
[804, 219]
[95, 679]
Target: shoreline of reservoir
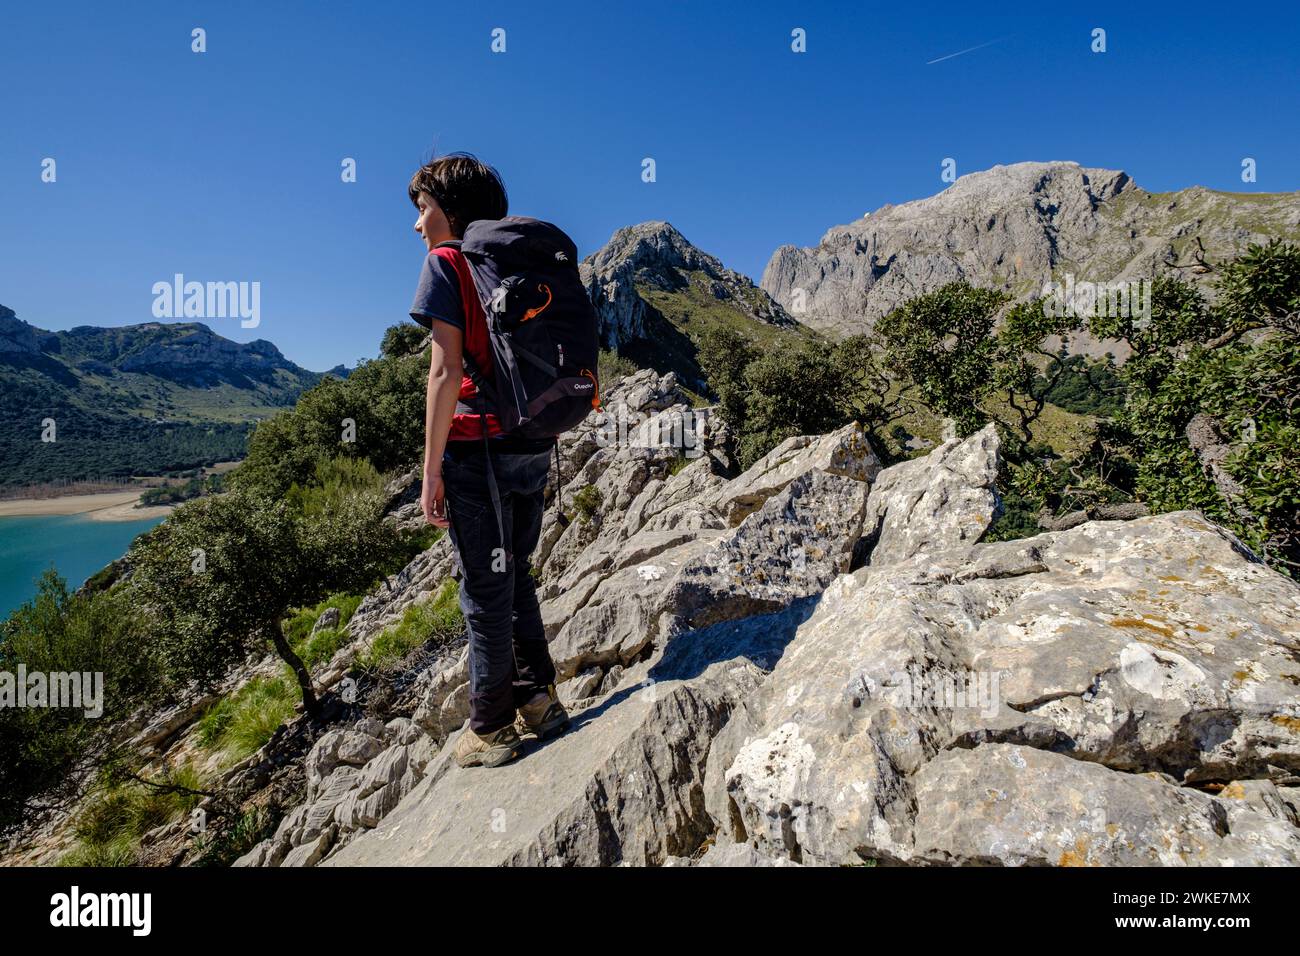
[117, 505]
[104, 506]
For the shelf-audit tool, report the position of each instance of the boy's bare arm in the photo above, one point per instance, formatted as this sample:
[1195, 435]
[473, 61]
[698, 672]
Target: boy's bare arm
[445, 372]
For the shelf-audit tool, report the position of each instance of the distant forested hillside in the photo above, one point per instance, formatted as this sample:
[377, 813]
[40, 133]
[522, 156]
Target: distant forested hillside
[96, 403]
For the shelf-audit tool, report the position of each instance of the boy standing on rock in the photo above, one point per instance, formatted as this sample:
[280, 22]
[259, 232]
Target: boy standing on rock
[512, 677]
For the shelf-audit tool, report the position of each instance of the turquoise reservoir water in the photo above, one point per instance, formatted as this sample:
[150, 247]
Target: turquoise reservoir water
[74, 544]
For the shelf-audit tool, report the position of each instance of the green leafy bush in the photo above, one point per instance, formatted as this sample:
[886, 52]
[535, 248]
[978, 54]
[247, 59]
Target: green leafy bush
[942, 343]
[220, 572]
[1228, 375]
[57, 631]
[587, 500]
[376, 414]
[796, 388]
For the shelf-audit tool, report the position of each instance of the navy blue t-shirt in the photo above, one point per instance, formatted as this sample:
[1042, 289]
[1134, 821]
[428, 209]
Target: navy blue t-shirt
[438, 294]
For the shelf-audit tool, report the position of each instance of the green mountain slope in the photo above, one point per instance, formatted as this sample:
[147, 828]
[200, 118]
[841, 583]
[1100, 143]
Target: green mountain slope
[656, 293]
[141, 399]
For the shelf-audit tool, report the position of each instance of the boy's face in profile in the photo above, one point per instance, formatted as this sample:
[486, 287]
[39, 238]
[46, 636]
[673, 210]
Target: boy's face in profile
[432, 225]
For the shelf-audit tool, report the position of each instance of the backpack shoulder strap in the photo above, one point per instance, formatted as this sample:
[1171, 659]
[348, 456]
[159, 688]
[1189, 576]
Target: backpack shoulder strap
[481, 384]
[449, 251]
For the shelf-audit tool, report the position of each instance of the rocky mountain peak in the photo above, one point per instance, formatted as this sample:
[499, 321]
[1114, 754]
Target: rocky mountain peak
[1004, 186]
[653, 251]
[1013, 227]
[654, 257]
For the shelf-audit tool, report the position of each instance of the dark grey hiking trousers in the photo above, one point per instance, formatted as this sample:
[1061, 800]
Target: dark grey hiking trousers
[509, 661]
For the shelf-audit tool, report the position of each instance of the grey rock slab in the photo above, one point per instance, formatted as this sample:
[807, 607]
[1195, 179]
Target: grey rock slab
[942, 500]
[623, 785]
[1158, 645]
[1010, 805]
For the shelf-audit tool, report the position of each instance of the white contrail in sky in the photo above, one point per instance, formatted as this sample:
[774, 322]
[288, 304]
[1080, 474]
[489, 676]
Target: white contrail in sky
[970, 50]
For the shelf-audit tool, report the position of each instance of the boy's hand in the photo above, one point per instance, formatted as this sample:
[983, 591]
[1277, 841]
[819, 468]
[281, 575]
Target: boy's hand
[433, 501]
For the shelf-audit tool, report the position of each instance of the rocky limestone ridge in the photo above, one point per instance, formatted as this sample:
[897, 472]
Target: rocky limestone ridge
[19, 338]
[190, 354]
[418, 707]
[623, 468]
[657, 256]
[763, 669]
[1013, 227]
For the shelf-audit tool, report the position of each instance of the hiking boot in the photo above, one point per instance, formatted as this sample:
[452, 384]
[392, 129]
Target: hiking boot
[543, 715]
[490, 751]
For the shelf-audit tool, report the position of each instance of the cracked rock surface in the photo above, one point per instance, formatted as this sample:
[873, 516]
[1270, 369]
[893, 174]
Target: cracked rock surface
[1051, 700]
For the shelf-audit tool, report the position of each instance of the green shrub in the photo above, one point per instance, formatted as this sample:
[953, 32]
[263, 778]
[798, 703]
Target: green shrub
[587, 501]
[108, 829]
[611, 366]
[222, 846]
[1087, 387]
[299, 622]
[402, 340]
[383, 398]
[942, 342]
[239, 725]
[260, 557]
[808, 387]
[1236, 365]
[436, 621]
[84, 633]
[334, 482]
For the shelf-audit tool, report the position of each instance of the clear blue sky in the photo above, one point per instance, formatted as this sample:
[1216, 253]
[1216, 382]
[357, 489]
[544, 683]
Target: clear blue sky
[225, 165]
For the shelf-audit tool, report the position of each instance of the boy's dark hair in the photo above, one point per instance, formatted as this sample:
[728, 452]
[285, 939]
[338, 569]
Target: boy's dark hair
[465, 187]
